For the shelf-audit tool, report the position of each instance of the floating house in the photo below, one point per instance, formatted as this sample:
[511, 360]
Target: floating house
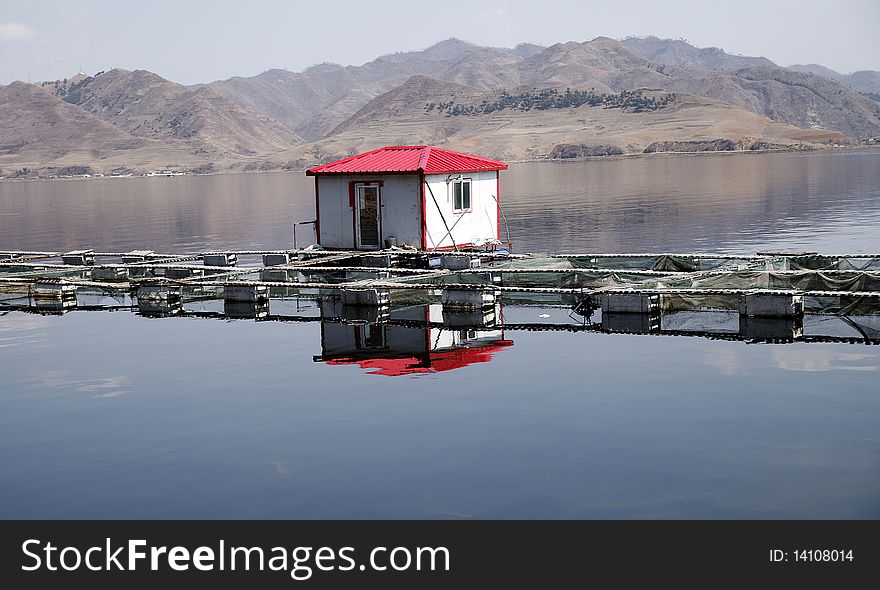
[412, 196]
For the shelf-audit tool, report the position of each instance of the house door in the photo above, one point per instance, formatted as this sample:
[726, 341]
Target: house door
[367, 215]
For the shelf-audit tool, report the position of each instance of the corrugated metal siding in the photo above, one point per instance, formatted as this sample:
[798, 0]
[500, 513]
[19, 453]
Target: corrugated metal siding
[480, 223]
[412, 159]
[401, 209]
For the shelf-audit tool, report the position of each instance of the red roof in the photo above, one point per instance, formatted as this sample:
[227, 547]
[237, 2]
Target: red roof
[400, 159]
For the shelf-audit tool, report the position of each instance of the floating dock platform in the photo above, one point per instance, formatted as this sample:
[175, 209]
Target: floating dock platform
[769, 293]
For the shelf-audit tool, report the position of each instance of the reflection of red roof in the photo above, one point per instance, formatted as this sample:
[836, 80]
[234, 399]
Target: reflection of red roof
[444, 360]
[408, 158]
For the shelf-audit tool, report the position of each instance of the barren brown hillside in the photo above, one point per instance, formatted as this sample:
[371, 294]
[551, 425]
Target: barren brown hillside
[405, 116]
[451, 93]
[148, 105]
[40, 131]
[318, 100]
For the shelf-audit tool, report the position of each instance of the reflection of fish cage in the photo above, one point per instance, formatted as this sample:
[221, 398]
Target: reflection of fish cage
[468, 300]
[335, 309]
[584, 308]
[771, 304]
[54, 306]
[856, 305]
[159, 307]
[366, 297]
[158, 292]
[635, 303]
[245, 292]
[483, 318]
[549, 299]
[53, 290]
[631, 323]
[246, 309]
[771, 329]
[53, 297]
[282, 292]
[701, 322]
[360, 314]
[158, 300]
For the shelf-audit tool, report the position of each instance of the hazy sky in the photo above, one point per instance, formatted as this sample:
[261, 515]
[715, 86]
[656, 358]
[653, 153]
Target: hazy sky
[195, 41]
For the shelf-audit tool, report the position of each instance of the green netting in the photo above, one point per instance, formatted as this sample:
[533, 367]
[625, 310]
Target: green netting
[406, 297]
[482, 278]
[699, 301]
[843, 305]
[817, 262]
[661, 262]
[866, 264]
[674, 263]
[803, 281]
[869, 327]
[554, 299]
[560, 263]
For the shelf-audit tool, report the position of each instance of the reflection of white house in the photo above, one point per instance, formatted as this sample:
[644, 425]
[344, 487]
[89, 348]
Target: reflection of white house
[394, 350]
[419, 196]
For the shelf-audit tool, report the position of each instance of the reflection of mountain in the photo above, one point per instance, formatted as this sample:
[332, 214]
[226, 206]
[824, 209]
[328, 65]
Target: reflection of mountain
[425, 347]
[816, 201]
[710, 203]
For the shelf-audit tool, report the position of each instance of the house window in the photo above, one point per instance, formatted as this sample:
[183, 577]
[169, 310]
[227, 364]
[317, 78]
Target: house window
[461, 194]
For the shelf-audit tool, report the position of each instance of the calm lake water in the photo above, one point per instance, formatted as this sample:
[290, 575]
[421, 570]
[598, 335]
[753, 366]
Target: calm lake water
[106, 415]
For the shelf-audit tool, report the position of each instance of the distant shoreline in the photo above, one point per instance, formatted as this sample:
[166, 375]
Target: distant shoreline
[638, 155]
[702, 153]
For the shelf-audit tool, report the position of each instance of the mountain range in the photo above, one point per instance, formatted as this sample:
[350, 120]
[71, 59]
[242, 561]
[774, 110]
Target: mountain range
[864, 81]
[628, 96]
